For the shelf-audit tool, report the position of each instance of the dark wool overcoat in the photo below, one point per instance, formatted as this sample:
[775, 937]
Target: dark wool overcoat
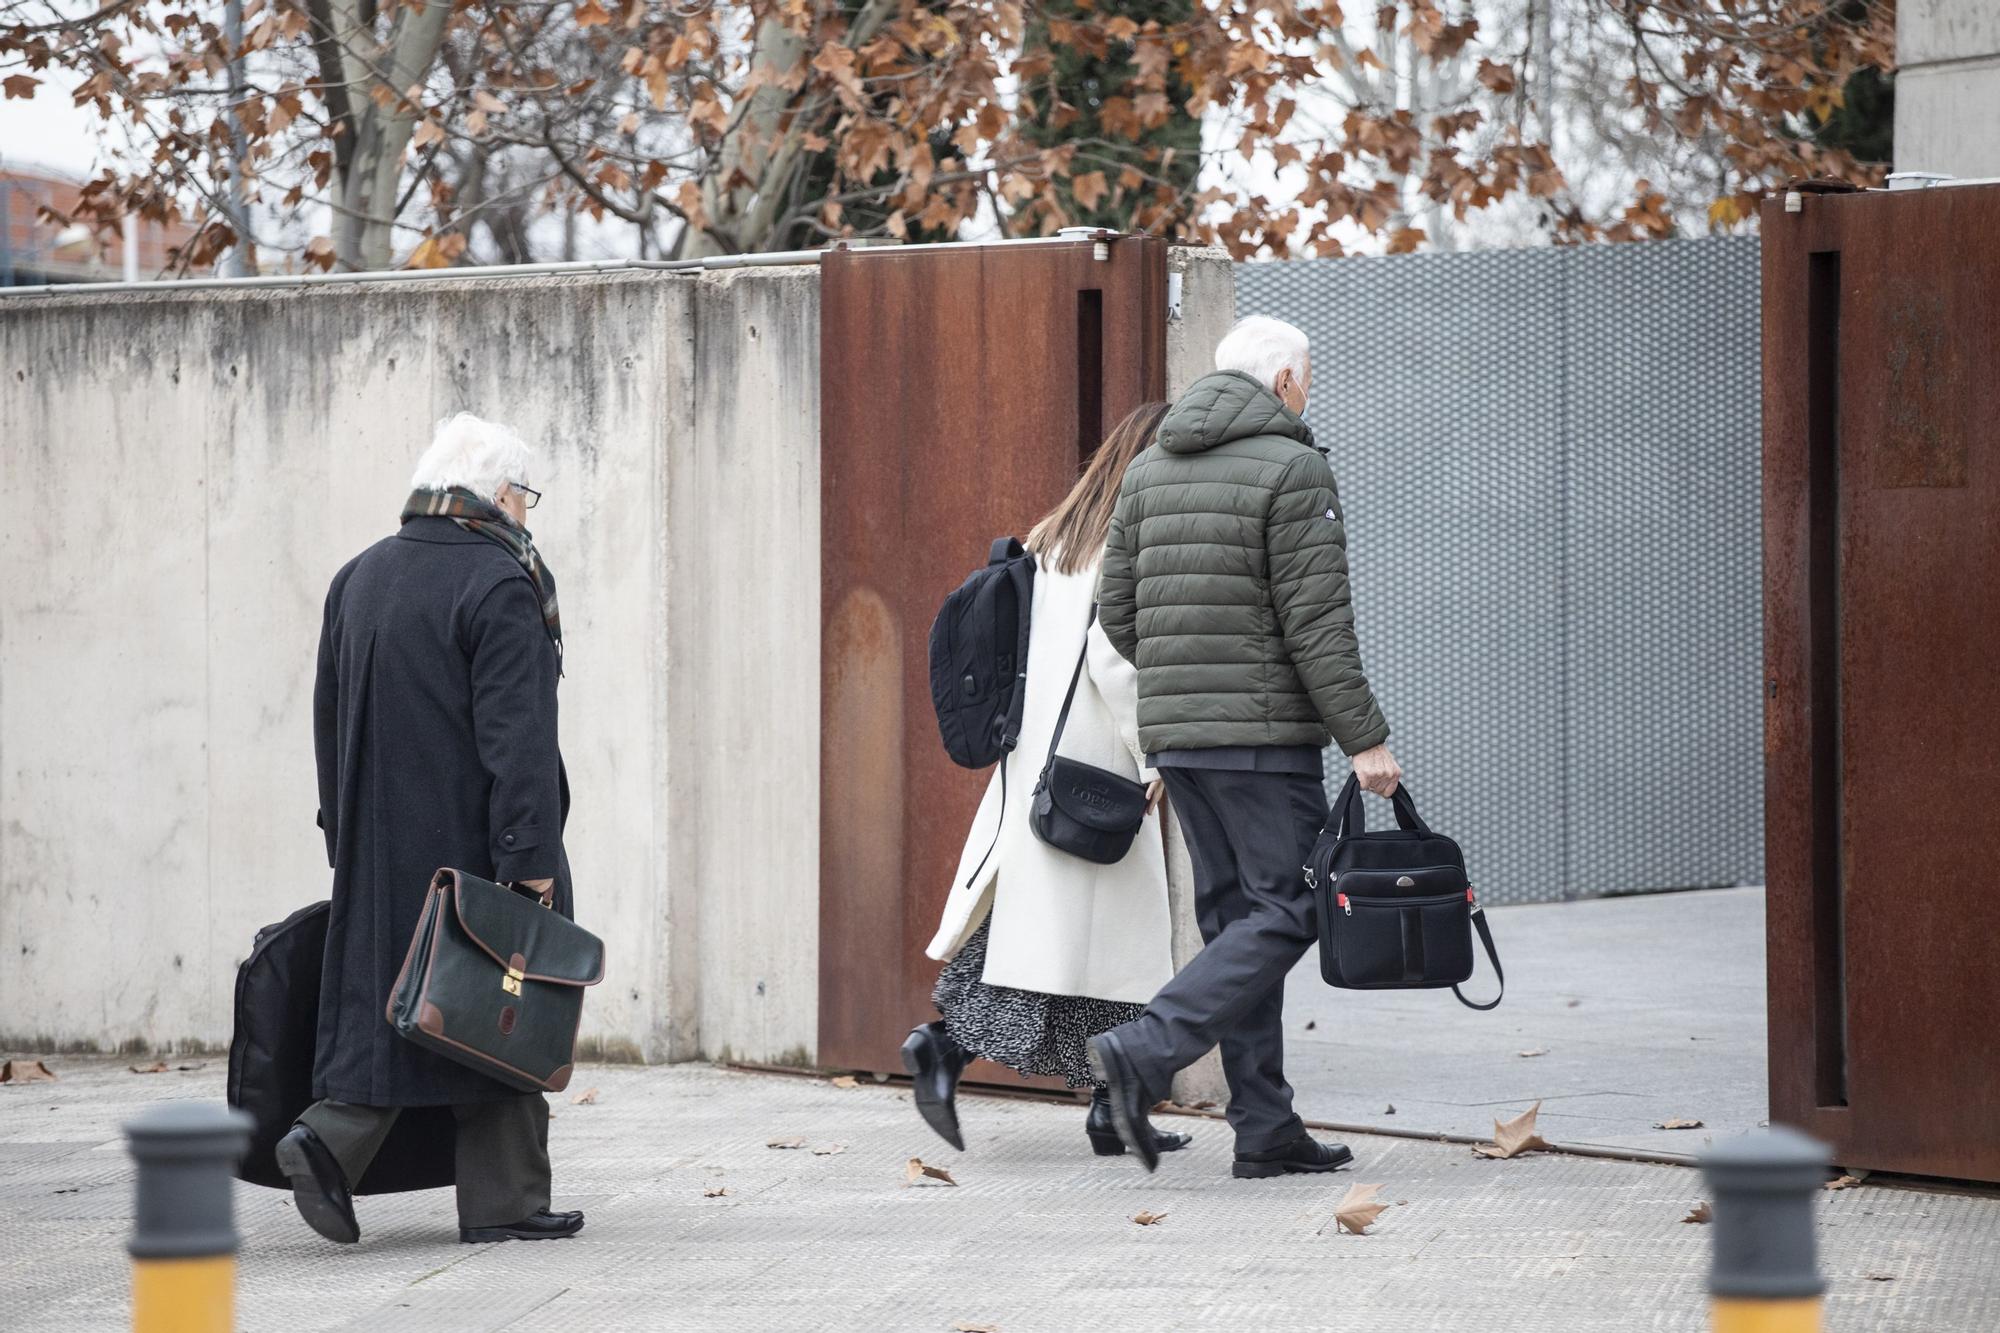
[434, 721]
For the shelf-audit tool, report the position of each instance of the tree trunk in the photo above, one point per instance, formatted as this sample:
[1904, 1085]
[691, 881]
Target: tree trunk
[364, 224]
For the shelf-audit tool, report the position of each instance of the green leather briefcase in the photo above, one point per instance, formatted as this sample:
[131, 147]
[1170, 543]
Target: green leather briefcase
[494, 980]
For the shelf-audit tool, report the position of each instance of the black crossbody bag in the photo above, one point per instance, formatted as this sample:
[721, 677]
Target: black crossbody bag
[1079, 808]
[1396, 911]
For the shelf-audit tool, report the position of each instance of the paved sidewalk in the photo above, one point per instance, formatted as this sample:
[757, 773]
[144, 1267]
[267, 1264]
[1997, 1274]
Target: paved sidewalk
[1648, 1009]
[1037, 1237]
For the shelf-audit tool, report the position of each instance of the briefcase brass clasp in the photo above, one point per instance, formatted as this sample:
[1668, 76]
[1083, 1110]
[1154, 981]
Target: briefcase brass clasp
[511, 983]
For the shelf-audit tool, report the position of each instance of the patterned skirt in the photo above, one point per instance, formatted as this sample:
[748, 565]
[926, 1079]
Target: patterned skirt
[1025, 1030]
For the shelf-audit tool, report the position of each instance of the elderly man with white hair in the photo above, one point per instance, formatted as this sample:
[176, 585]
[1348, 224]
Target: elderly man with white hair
[1225, 583]
[434, 719]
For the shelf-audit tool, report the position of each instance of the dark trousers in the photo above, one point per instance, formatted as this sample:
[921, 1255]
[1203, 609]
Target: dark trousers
[502, 1158]
[1248, 835]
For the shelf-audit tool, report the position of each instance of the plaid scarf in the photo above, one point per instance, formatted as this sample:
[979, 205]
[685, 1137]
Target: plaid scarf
[495, 525]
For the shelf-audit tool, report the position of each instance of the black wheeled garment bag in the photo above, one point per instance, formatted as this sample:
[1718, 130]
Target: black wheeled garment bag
[271, 1065]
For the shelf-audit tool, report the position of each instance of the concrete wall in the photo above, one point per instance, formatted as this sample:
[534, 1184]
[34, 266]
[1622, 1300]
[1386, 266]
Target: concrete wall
[180, 474]
[1948, 87]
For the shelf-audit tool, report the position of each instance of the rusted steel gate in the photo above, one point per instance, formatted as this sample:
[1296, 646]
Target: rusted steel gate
[1882, 631]
[961, 388]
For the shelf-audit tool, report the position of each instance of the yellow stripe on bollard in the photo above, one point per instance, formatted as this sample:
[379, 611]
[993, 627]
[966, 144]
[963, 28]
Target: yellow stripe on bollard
[1737, 1316]
[184, 1295]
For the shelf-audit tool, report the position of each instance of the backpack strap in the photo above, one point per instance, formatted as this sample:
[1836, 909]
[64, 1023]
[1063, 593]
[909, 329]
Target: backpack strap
[1486, 939]
[1005, 549]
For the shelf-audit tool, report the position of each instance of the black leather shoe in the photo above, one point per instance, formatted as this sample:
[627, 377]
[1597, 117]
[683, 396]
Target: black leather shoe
[935, 1061]
[544, 1225]
[318, 1187]
[1104, 1140]
[1304, 1153]
[1127, 1098]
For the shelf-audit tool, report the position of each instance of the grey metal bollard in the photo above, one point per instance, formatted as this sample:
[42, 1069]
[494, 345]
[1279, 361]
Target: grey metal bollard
[184, 1238]
[1764, 1187]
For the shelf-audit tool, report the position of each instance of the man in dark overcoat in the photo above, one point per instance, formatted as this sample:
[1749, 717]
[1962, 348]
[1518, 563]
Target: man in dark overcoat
[434, 715]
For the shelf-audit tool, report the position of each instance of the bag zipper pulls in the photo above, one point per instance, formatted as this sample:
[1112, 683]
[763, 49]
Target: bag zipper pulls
[1345, 905]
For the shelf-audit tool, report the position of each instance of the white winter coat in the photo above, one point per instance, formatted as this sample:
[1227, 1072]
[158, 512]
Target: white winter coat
[1062, 925]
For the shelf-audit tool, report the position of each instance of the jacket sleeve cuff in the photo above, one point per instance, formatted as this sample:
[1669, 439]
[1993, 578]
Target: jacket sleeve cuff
[1367, 740]
[519, 853]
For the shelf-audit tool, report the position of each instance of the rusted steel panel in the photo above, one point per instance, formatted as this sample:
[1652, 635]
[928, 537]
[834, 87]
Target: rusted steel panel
[959, 391]
[1882, 629]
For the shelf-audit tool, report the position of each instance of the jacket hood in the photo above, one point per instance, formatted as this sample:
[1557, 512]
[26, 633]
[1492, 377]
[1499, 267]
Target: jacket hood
[1228, 405]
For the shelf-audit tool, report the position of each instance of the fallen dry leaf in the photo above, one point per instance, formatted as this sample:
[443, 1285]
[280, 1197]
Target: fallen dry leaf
[1880, 1277]
[1677, 1124]
[847, 1081]
[1539, 1050]
[26, 1071]
[1390, 1109]
[1146, 1219]
[785, 1143]
[1514, 1137]
[1204, 1106]
[1311, 1024]
[588, 1097]
[717, 1192]
[1700, 1213]
[157, 1067]
[1358, 1209]
[1847, 1182]
[830, 1150]
[188, 1069]
[963, 1327]
[917, 1171]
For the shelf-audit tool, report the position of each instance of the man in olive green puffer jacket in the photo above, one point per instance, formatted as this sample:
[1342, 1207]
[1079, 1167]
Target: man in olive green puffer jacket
[1225, 583]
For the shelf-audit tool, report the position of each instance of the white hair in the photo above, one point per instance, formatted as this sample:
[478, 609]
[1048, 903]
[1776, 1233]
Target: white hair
[1262, 347]
[480, 456]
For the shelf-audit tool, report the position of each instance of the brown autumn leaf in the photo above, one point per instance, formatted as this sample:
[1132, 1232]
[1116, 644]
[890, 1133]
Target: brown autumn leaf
[1700, 1213]
[26, 1071]
[320, 253]
[917, 1171]
[1677, 1124]
[588, 1097]
[20, 85]
[1146, 1219]
[1846, 1182]
[157, 1067]
[847, 1081]
[1514, 1137]
[715, 1192]
[1358, 1209]
[786, 1143]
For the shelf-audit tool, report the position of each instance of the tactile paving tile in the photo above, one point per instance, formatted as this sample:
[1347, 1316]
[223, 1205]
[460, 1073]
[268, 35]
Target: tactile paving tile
[1037, 1237]
[1548, 461]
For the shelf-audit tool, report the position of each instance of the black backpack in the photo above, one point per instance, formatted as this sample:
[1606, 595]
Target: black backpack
[979, 657]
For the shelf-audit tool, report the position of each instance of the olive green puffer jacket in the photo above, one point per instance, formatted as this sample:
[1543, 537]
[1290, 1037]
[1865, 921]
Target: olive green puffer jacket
[1225, 581]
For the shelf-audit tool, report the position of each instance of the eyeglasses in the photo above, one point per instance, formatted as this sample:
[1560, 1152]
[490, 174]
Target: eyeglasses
[534, 496]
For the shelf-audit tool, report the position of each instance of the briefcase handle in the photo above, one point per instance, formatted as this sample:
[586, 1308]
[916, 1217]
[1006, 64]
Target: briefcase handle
[545, 899]
[1349, 818]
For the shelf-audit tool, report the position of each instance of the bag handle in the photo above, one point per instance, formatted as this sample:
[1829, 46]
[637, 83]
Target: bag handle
[1062, 718]
[1005, 549]
[1351, 819]
[1486, 939]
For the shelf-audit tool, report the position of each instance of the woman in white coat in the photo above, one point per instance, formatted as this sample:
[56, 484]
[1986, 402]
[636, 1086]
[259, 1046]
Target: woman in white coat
[1044, 950]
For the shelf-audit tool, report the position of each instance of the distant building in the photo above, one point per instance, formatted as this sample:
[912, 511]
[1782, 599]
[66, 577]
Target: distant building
[1948, 87]
[34, 251]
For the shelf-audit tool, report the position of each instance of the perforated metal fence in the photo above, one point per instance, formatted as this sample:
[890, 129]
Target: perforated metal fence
[1549, 465]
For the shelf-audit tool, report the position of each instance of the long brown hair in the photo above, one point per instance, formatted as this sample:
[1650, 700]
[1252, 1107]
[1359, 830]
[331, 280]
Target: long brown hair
[1069, 536]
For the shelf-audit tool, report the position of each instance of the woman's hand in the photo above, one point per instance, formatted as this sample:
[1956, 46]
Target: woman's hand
[543, 887]
[1156, 792]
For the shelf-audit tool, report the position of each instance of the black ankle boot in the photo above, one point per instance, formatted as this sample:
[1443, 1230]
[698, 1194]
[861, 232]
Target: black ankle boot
[934, 1062]
[1103, 1133]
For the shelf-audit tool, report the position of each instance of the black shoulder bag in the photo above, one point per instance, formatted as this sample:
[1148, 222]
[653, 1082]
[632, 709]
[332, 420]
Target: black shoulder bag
[1396, 911]
[1079, 808]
